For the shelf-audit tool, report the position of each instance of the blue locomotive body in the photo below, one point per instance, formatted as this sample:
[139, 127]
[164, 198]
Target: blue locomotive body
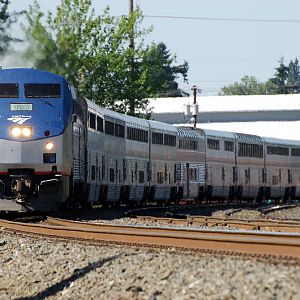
[35, 161]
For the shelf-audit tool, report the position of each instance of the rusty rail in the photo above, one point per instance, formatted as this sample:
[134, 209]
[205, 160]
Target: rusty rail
[248, 242]
[262, 225]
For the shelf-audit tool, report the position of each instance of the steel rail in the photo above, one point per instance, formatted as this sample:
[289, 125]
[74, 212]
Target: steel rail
[254, 224]
[233, 241]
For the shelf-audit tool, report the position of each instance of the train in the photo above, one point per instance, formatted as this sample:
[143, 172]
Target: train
[59, 150]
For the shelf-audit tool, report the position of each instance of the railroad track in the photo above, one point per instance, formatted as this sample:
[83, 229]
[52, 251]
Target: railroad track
[247, 224]
[237, 242]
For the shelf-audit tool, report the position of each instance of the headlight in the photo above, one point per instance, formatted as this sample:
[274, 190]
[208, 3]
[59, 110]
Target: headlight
[27, 131]
[16, 131]
[21, 132]
[49, 146]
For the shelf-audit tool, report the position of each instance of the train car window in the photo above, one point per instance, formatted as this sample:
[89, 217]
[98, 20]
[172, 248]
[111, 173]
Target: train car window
[42, 90]
[160, 177]
[136, 134]
[188, 144]
[228, 146]
[157, 138]
[170, 140]
[264, 175]
[149, 175]
[103, 167]
[283, 151]
[234, 174]
[275, 180]
[99, 124]
[250, 150]
[141, 177]
[213, 144]
[92, 120]
[109, 128]
[247, 176]
[111, 175]
[295, 152]
[192, 174]
[120, 130]
[289, 176]
[9, 90]
[93, 173]
[279, 175]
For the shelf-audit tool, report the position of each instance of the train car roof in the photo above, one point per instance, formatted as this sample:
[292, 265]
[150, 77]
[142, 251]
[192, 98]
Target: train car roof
[209, 132]
[189, 132]
[130, 119]
[27, 75]
[279, 142]
[286, 130]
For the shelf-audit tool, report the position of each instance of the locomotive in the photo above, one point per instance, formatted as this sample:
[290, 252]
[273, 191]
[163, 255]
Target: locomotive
[60, 150]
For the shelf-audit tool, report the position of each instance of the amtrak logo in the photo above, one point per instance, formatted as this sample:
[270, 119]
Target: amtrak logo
[20, 119]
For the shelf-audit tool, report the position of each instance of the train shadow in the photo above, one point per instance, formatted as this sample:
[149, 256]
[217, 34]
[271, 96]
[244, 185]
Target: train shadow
[59, 286]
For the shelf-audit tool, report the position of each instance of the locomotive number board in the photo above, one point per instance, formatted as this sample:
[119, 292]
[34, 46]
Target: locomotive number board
[21, 106]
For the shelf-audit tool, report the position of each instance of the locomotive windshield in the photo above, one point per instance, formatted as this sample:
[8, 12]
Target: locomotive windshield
[9, 90]
[51, 90]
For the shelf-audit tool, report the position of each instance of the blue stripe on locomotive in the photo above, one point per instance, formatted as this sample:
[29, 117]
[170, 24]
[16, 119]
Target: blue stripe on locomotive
[50, 114]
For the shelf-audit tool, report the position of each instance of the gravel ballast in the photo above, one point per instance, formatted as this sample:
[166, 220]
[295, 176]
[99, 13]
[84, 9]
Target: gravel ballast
[43, 268]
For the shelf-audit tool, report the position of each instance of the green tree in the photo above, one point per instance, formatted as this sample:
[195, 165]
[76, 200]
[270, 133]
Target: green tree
[6, 20]
[247, 86]
[164, 73]
[94, 53]
[286, 79]
[293, 80]
[279, 81]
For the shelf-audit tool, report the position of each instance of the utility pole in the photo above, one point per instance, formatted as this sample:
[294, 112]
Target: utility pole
[195, 106]
[130, 7]
[131, 63]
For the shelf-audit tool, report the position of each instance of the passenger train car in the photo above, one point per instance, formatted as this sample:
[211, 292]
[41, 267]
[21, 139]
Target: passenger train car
[60, 150]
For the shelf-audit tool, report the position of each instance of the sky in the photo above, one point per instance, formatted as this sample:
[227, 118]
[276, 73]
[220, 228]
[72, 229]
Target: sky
[219, 52]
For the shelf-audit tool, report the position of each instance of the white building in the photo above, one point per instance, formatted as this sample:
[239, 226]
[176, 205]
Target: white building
[265, 115]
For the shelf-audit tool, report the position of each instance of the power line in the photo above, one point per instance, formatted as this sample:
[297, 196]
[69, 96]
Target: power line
[225, 19]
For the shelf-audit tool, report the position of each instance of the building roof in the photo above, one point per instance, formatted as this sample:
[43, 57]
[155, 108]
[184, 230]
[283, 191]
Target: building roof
[227, 103]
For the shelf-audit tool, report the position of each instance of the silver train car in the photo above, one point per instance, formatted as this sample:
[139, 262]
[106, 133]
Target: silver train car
[230, 167]
[60, 150]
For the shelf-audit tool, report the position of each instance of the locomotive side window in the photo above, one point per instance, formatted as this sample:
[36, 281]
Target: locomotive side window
[45, 90]
[92, 120]
[99, 124]
[9, 90]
